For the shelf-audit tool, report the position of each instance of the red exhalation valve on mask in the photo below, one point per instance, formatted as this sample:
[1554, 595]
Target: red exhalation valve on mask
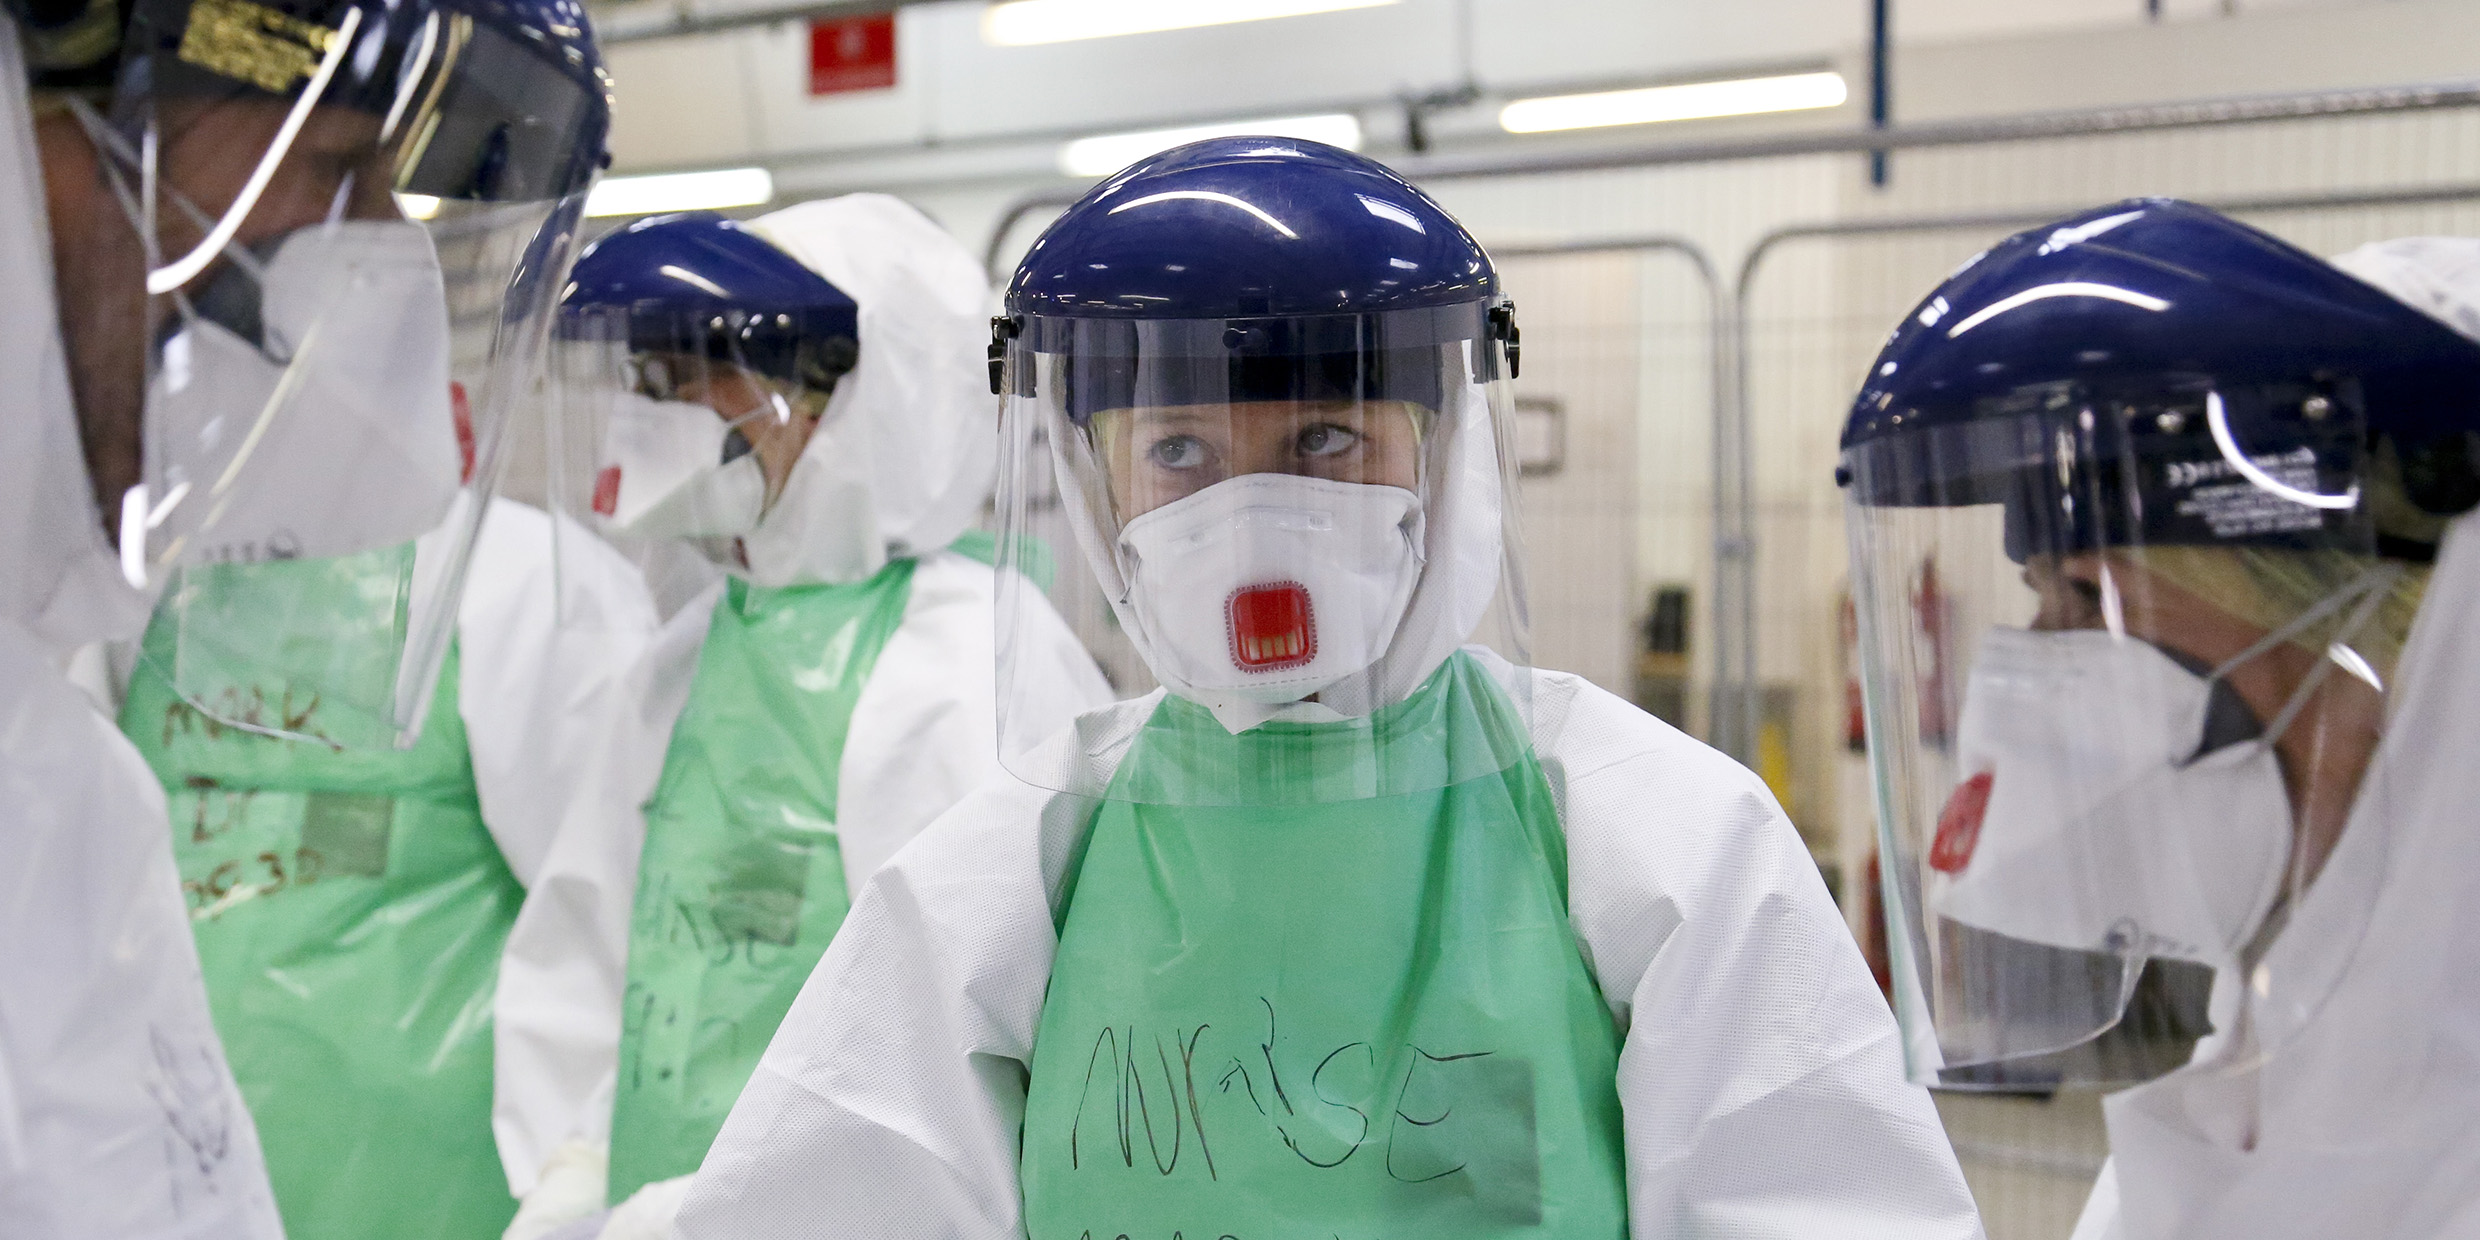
[1959, 825]
[462, 409]
[1271, 627]
[607, 490]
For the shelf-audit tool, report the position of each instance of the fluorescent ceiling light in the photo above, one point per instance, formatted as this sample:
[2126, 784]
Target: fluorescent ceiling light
[1790, 92]
[1108, 153]
[681, 191]
[1021, 23]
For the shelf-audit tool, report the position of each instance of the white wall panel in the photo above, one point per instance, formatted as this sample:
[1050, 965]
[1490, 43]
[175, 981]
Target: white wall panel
[1133, 81]
[2314, 45]
[791, 121]
[741, 95]
[1521, 43]
[1582, 319]
[1931, 21]
[682, 102]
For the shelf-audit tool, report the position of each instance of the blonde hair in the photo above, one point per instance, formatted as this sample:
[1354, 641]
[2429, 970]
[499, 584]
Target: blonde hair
[2271, 587]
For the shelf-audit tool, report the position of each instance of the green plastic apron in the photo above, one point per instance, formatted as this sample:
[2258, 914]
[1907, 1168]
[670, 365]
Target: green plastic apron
[741, 884]
[349, 908]
[1359, 1018]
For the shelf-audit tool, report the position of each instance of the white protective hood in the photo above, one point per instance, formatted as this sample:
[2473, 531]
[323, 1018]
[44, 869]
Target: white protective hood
[59, 578]
[904, 458]
[2365, 1119]
[2438, 276]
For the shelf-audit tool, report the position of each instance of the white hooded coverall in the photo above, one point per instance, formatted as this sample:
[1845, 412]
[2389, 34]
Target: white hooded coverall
[900, 465]
[119, 1119]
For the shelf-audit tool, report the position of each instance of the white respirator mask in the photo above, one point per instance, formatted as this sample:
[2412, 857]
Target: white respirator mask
[670, 472]
[1268, 587]
[2099, 828]
[344, 416]
[2087, 818]
[678, 470]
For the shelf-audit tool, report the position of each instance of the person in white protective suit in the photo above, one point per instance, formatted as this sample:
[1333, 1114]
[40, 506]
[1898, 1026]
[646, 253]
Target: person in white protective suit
[249, 358]
[2196, 816]
[351, 905]
[1348, 928]
[118, 1115]
[796, 403]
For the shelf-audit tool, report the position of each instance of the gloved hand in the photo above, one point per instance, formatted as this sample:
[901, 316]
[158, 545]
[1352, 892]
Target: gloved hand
[648, 1213]
[570, 1188]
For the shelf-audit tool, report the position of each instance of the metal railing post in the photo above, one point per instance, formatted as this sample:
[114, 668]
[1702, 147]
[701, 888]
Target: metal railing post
[1732, 693]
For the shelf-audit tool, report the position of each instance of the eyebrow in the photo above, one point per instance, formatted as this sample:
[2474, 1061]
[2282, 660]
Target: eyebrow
[1171, 415]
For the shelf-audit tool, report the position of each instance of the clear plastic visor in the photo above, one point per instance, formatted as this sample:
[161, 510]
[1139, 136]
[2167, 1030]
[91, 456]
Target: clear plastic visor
[675, 435]
[333, 269]
[2124, 668]
[1288, 526]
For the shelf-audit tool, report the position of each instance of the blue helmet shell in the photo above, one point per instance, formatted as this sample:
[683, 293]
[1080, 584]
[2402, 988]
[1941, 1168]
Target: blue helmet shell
[2075, 374]
[525, 113]
[1308, 272]
[698, 282]
[1246, 227]
[2158, 294]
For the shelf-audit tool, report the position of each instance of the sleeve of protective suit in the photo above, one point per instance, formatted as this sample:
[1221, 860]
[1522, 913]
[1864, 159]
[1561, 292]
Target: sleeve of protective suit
[1762, 1074]
[889, 1103]
[118, 1115]
[565, 964]
[925, 730]
[551, 621]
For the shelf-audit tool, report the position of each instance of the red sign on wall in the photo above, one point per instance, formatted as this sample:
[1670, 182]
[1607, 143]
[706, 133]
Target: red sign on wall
[852, 53]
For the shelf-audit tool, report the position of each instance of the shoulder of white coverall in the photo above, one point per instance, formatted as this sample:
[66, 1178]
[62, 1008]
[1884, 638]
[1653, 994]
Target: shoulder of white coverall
[1659, 827]
[1580, 729]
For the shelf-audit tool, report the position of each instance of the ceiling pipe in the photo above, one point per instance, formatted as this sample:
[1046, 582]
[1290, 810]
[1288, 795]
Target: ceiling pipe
[1646, 153]
[641, 20]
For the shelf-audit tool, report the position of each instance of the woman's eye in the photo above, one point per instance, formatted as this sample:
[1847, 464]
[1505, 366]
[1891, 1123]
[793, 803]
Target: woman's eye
[1178, 452]
[1327, 439]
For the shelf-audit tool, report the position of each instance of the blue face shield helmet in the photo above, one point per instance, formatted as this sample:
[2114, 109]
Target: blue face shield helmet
[693, 361]
[1260, 383]
[352, 220]
[2139, 506]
